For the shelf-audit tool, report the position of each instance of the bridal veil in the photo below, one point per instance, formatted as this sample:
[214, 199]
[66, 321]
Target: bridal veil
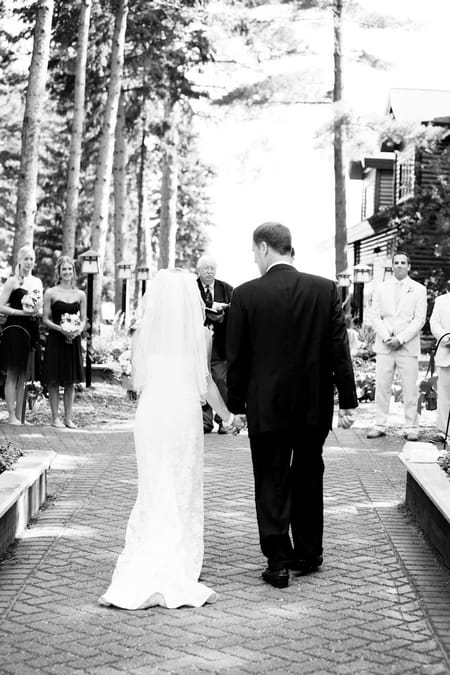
[163, 554]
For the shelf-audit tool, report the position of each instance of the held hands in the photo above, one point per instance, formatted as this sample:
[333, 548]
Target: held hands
[346, 417]
[238, 423]
[393, 343]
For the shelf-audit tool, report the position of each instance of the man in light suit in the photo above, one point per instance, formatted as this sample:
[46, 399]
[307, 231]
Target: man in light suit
[287, 348]
[399, 310]
[440, 325]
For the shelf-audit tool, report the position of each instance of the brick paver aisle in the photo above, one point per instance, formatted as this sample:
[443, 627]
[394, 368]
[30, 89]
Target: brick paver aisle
[381, 603]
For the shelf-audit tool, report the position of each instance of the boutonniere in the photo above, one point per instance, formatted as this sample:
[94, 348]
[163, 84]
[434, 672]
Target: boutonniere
[409, 289]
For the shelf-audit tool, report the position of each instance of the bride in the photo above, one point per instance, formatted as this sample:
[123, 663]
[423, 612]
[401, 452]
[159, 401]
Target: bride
[163, 554]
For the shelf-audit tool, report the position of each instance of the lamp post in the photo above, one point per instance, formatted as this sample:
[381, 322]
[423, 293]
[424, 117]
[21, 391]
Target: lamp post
[361, 275]
[89, 266]
[343, 282]
[125, 270]
[143, 273]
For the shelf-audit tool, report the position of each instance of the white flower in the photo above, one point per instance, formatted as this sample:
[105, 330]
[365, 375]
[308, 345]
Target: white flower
[31, 299]
[70, 322]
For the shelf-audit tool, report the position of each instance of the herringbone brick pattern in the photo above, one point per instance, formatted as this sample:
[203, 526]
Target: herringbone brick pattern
[380, 604]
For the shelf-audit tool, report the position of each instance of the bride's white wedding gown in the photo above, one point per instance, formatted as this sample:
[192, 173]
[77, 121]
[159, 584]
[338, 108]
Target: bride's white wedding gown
[163, 554]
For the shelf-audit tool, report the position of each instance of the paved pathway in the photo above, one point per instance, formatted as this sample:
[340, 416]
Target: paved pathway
[380, 604]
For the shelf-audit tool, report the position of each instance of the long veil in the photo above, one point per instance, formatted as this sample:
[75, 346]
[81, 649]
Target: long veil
[170, 339]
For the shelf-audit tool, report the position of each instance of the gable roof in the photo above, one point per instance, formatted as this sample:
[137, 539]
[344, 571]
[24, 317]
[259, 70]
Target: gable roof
[419, 105]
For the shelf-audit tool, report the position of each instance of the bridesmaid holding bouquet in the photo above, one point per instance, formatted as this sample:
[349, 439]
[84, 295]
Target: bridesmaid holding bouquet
[65, 316]
[21, 303]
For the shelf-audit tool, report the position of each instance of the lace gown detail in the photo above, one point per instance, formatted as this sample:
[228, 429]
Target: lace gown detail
[163, 554]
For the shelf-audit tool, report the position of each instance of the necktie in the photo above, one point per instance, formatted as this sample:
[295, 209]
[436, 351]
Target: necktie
[208, 297]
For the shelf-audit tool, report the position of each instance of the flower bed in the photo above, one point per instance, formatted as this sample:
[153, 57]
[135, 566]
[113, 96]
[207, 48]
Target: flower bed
[9, 454]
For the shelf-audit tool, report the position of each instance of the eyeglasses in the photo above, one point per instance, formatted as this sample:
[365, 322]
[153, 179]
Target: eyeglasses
[207, 269]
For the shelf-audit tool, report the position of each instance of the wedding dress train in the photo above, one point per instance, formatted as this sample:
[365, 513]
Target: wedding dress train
[163, 554]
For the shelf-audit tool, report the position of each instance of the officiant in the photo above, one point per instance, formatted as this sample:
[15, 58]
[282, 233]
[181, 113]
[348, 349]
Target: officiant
[216, 295]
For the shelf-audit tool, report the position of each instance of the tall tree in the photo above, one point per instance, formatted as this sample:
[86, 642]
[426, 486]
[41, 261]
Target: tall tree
[73, 178]
[169, 188]
[27, 187]
[105, 158]
[120, 197]
[340, 207]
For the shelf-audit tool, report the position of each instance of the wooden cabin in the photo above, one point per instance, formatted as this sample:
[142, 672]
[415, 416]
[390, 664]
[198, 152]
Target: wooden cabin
[393, 176]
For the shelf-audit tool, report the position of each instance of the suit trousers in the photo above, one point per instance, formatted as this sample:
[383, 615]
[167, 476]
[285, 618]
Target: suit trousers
[288, 472]
[219, 375]
[408, 369]
[443, 397]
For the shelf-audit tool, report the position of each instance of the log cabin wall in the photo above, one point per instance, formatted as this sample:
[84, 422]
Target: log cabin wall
[384, 190]
[433, 164]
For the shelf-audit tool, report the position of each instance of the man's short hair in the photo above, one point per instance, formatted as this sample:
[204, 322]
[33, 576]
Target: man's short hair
[276, 235]
[401, 253]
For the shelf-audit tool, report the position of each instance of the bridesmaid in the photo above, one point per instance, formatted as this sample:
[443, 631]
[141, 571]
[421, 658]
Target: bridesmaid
[63, 361]
[21, 302]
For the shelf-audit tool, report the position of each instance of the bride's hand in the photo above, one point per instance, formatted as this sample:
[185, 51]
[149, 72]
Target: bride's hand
[239, 423]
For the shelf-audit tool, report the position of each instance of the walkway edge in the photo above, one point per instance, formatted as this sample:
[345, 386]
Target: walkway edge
[428, 495]
[23, 490]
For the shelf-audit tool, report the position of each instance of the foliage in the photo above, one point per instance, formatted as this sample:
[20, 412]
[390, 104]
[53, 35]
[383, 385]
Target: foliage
[166, 45]
[364, 379]
[108, 350]
[444, 462]
[9, 454]
[423, 222]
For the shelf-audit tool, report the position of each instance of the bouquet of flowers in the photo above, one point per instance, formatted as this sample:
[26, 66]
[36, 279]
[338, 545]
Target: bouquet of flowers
[31, 299]
[70, 323]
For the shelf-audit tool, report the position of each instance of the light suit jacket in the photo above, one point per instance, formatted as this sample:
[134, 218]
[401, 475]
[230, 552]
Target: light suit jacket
[403, 322]
[440, 324]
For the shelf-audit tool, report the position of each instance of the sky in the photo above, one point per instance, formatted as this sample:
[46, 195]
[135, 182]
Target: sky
[273, 168]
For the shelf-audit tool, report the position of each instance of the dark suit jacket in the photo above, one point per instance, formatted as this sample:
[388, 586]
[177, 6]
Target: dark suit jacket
[287, 346]
[222, 293]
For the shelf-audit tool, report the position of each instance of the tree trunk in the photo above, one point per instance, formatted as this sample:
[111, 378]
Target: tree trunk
[143, 245]
[120, 200]
[169, 188]
[27, 185]
[73, 177]
[340, 215]
[105, 159]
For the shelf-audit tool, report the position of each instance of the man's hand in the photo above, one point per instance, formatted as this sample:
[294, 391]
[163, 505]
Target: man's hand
[346, 417]
[393, 343]
[239, 423]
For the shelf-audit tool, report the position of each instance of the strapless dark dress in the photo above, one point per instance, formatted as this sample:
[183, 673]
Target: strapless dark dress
[19, 336]
[63, 360]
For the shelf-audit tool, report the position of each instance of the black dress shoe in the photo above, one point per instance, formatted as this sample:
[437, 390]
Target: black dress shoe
[221, 430]
[207, 430]
[277, 578]
[302, 566]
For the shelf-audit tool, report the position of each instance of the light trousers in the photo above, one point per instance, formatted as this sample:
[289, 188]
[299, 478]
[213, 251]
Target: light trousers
[408, 370]
[443, 397]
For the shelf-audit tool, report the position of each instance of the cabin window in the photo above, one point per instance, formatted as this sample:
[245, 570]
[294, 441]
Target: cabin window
[406, 178]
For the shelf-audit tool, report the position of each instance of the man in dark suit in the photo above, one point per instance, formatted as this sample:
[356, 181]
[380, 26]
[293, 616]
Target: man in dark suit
[216, 295]
[287, 347]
